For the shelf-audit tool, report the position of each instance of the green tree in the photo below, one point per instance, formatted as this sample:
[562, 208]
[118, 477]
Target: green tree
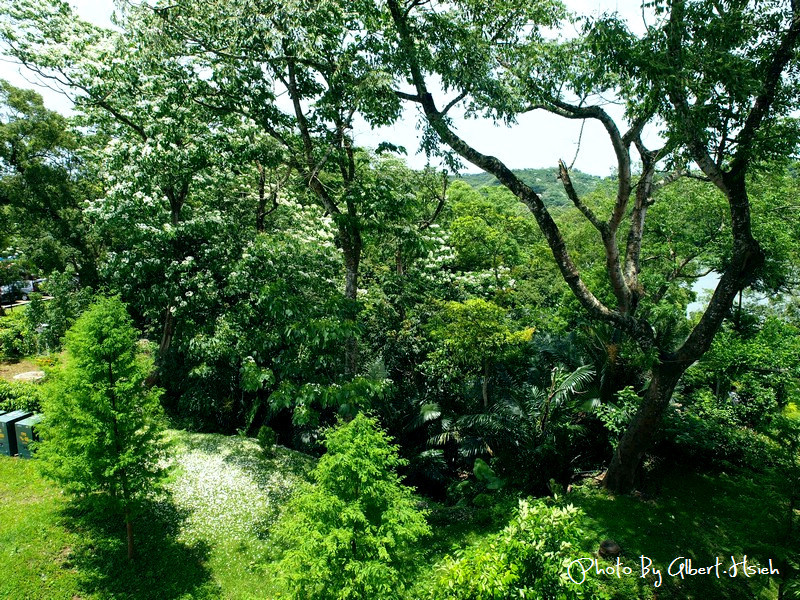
[475, 334]
[167, 179]
[489, 231]
[44, 183]
[101, 437]
[349, 534]
[305, 50]
[720, 77]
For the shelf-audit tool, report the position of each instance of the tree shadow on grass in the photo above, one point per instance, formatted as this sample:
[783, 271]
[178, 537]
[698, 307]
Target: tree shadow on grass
[699, 517]
[163, 567]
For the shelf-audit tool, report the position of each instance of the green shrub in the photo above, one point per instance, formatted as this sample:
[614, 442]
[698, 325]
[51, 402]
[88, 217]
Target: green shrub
[714, 439]
[485, 475]
[12, 335]
[528, 559]
[267, 438]
[20, 396]
[616, 416]
[46, 323]
[348, 536]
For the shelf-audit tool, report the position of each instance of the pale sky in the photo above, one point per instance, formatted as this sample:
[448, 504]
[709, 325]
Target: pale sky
[537, 140]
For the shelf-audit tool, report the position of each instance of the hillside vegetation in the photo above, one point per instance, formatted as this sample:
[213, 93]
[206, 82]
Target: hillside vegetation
[544, 182]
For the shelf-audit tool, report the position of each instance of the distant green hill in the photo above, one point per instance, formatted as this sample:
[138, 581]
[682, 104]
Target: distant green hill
[544, 182]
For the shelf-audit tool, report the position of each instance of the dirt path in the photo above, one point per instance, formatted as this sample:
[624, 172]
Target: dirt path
[9, 369]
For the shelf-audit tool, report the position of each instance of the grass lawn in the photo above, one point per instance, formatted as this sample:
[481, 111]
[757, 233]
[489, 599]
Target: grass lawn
[36, 541]
[203, 539]
[699, 517]
[207, 538]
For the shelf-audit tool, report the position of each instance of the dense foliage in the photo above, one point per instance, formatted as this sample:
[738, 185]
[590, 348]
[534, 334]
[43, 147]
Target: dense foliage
[529, 558]
[511, 331]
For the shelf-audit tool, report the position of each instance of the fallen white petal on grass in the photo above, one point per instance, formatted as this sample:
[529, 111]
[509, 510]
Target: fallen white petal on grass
[225, 487]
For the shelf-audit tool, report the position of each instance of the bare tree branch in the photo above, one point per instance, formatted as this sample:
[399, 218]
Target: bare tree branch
[640, 331]
[563, 175]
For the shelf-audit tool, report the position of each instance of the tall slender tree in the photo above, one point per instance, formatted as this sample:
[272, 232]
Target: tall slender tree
[102, 427]
[303, 72]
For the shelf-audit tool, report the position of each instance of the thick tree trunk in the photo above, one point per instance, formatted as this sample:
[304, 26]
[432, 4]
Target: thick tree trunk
[169, 331]
[163, 347]
[639, 434]
[747, 259]
[485, 384]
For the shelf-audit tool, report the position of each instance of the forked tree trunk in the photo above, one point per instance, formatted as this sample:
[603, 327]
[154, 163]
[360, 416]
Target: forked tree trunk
[745, 260]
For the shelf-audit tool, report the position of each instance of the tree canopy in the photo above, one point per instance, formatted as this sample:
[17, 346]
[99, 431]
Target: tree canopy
[291, 276]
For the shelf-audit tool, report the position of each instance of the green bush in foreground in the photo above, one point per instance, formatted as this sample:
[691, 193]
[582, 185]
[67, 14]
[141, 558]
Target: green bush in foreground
[528, 559]
[101, 437]
[267, 438]
[348, 536]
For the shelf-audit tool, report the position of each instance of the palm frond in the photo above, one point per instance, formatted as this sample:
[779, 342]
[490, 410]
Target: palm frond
[474, 446]
[445, 436]
[574, 382]
[428, 412]
[482, 421]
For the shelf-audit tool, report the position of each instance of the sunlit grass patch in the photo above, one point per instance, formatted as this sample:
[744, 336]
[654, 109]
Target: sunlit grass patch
[231, 494]
[35, 547]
